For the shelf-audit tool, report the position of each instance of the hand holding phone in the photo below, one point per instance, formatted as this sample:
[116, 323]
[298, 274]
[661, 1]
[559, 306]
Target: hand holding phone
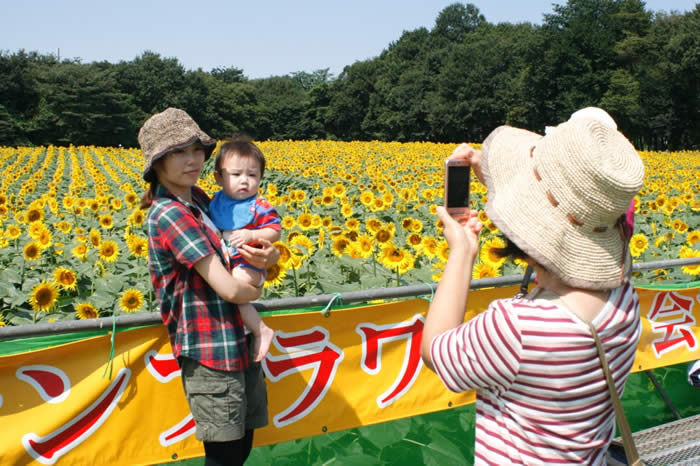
[457, 187]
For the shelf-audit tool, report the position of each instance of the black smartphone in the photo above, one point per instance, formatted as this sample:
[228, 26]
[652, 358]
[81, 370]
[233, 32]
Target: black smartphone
[457, 187]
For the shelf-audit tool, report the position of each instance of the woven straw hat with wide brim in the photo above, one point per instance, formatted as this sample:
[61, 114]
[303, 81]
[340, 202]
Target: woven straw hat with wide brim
[170, 130]
[560, 197]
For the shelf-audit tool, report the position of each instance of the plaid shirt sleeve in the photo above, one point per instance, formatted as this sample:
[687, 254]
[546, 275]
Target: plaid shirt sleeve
[201, 325]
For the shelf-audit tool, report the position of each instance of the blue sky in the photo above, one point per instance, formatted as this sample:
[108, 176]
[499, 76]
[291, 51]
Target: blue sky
[261, 37]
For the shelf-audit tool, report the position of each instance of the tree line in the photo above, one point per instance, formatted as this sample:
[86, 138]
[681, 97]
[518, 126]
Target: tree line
[451, 83]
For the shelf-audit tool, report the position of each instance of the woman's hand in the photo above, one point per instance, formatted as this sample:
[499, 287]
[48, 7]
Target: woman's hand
[262, 257]
[461, 233]
[473, 156]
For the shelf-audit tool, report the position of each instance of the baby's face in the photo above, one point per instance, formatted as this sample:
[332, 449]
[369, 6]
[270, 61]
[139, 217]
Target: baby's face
[239, 176]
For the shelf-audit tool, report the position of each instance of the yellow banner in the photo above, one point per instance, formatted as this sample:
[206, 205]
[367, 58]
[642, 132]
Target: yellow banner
[325, 373]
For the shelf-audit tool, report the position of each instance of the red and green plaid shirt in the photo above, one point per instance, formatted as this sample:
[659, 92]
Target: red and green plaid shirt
[200, 324]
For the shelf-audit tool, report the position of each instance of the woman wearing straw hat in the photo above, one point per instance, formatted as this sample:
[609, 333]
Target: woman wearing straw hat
[560, 200]
[196, 293]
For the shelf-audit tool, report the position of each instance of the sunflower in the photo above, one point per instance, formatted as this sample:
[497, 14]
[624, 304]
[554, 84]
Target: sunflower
[109, 251]
[13, 231]
[32, 251]
[80, 251]
[35, 214]
[638, 244]
[43, 296]
[488, 255]
[417, 226]
[65, 278]
[131, 198]
[692, 239]
[95, 237]
[686, 253]
[136, 218]
[414, 240]
[320, 242]
[383, 236]
[339, 245]
[64, 227]
[275, 276]
[429, 246]
[106, 221]
[116, 204]
[45, 239]
[366, 198]
[288, 222]
[352, 224]
[35, 230]
[138, 245]
[346, 210]
[365, 244]
[679, 226]
[86, 311]
[131, 300]
[396, 259]
[373, 224]
[484, 270]
[285, 254]
[304, 242]
[305, 221]
[407, 223]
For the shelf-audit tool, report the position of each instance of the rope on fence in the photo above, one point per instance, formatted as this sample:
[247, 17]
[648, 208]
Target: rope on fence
[348, 297]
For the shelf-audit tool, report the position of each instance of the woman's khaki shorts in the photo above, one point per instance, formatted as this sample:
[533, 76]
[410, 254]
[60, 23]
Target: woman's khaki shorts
[224, 404]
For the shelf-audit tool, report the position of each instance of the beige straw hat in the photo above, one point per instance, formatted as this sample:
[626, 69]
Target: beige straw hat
[167, 131]
[561, 198]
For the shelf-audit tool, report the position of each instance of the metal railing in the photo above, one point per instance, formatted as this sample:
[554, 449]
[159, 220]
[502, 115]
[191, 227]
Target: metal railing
[347, 297]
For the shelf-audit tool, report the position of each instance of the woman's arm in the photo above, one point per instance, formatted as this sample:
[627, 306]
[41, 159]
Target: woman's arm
[230, 289]
[449, 304]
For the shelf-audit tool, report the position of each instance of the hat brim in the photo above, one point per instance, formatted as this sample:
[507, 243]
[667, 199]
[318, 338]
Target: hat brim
[519, 206]
[209, 144]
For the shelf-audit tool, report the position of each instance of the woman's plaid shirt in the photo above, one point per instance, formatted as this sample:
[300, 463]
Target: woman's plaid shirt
[200, 324]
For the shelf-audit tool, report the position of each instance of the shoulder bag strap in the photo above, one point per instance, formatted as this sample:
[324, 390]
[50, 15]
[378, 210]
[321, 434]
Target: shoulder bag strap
[627, 439]
[631, 453]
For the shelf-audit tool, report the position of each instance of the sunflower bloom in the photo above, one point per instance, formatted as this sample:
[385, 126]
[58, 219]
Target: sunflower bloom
[109, 251]
[32, 251]
[80, 251]
[86, 311]
[43, 296]
[484, 270]
[275, 276]
[638, 244]
[95, 237]
[131, 300]
[13, 231]
[488, 255]
[339, 245]
[138, 246]
[106, 221]
[285, 254]
[305, 221]
[65, 278]
[691, 240]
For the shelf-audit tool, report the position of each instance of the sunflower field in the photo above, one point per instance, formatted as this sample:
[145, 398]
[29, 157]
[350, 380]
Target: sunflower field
[355, 215]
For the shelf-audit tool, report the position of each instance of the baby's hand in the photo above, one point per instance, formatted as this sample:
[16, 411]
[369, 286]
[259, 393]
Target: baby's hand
[241, 237]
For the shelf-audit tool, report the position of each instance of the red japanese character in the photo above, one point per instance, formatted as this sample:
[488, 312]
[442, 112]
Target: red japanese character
[671, 314]
[49, 448]
[303, 350]
[374, 336]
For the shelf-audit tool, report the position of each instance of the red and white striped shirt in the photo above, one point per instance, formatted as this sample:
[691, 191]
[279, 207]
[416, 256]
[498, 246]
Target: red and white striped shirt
[542, 397]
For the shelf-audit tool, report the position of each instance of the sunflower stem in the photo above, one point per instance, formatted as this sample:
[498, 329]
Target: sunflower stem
[294, 276]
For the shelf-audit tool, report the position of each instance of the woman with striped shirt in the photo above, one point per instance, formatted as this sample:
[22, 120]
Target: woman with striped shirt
[560, 201]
